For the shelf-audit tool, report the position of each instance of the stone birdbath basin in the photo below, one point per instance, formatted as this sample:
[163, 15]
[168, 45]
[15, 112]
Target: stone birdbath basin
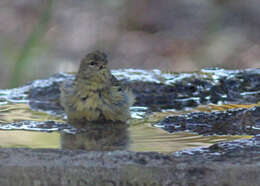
[199, 128]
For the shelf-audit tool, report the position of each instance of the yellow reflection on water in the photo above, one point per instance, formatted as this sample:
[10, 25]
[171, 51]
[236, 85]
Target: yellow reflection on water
[141, 138]
[146, 138]
[29, 139]
[223, 107]
[20, 111]
[157, 116]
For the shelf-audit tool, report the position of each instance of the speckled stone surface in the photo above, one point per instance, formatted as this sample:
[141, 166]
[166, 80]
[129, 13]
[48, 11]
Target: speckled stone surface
[167, 90]
[227, 163]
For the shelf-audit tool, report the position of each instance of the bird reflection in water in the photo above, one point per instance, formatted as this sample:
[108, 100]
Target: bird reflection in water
[105, 136]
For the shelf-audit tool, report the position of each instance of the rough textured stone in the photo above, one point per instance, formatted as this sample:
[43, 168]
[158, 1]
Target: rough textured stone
[166, 90]
[227, 163]
[233, 121]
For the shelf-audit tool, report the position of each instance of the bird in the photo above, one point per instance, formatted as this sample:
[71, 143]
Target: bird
[95, 95]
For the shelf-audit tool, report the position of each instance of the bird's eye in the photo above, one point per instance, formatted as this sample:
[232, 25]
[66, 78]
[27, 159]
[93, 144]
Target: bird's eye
[92, 63]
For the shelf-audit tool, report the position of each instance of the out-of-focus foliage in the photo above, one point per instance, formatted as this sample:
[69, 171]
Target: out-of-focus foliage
[26, 52]
[41, 37]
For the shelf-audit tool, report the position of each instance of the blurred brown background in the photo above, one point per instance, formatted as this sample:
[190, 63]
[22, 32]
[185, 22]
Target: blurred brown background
[41, 37]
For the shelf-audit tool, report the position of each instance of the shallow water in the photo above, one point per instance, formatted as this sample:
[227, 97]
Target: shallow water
[143, 138]
[22, 127]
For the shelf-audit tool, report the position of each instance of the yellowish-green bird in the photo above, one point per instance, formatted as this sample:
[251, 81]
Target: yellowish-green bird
[95, 95]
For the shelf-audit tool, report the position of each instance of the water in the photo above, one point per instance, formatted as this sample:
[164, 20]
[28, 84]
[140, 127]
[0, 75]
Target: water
[22, 127]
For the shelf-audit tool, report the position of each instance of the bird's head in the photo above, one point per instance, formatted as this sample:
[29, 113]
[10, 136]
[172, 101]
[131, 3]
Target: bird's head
[92, 65]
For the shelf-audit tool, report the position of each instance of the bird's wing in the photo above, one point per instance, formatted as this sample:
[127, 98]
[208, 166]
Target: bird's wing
[124, 91]
[118, 83]
[115, 82]
[68, 87]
